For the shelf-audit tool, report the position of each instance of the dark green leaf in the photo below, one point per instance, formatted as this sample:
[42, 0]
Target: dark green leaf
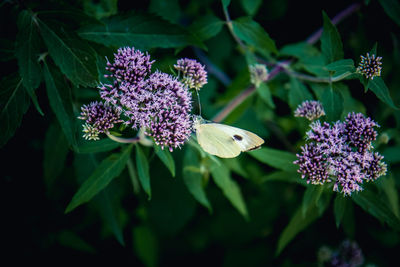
[341, 68]
[392, 9]
[71, 240]
[297, 224]
[207, 27]
[76, 59]
[275, 158]
[253, 34]
[142, 32]
[27, 50]
[331, 44]
[378, 86]
[60, 102]
[146, 245]
[388, 186]
[55, 154]
[377, 207]
[143, 168]
[339, 207]
[165, 156]
[284, 176]
[90, 146]
[225, 3]
[251, 6]
[298, 93]
[108, 169]
[311, 197]
[100, 9]
[229, 187]
[7, 50]
[169, 10]
[193, 178]
[392, 154]
[265, 94]
[332, 101]
[14, 102]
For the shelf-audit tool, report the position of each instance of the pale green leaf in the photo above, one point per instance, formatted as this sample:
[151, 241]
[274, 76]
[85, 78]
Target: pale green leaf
[279, 159]
[143, 169]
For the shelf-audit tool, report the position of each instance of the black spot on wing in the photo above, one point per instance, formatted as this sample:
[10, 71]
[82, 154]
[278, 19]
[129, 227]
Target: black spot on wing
[237, 137]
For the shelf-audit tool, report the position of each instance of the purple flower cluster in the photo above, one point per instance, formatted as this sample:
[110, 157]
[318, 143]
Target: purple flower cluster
[156, 102]
[370, 66]
[99, 118]
[341, 153]
[310, 109]
[193, 73]
[348, 254]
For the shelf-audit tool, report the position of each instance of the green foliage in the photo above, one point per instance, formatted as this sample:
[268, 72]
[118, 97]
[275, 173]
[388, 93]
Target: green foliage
[143, 168]
[331, 44]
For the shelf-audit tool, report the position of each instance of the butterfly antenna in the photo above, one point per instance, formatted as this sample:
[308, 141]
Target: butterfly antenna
[198, 101]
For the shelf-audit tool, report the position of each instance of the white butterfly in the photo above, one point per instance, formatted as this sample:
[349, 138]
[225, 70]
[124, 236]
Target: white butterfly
[224, 141]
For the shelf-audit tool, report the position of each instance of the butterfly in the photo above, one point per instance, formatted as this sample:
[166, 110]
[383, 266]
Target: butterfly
[224, 141]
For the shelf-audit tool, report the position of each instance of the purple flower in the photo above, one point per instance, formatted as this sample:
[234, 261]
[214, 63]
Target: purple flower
[193, 73]
[349, 254]
[370, 66]
[310, 109]
[99, 118]
[341, 153]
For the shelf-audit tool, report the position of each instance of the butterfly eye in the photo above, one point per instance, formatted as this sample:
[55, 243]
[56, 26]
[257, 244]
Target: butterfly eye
[237, 137]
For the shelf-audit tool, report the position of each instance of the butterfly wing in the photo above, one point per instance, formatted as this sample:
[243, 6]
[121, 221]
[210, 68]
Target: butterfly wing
[215, 141]
[244, 139]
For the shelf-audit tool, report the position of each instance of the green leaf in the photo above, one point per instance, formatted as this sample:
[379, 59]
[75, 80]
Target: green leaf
[253, 34]
[298, 93]
[143, 169]
[392, 9]
[339, 208]
[392, 154]
[55, 154]
[90, 146]
[377, 207]
[341, 68]
[100, 9]
[332, 101]
[229, 187]
[168, 10]
[27, 51]
[71, 240]
[284, 176]
[225, 3]
[251, 6]
[193, 178]
[298, 223]
[265, 93]
[275, 158]
[142, 32]
[165, 156]
[145, 245]
[60, 101]
[14, 102]
[378, 86]
[7, 50]
[207, 27]
[75, 58]
[108, 169]
[311, 197]
[331, 44]
[388, 186]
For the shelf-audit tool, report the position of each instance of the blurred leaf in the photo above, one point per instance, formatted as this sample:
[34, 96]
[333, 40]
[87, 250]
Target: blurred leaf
[275, 158]
[342, 68]
[392, 9]
[377, 207]
[265, 93]
[332, 101]
[207, 27]
[55, 154]
[251, 6]
[7, 50]
[339, 207]
[388, 185]
[253, 34]
[90, 146]
[193, 178]
[100, 8]
[311, 197]
[378, 86]
[165, 156]
[27, 52]
[60, 101]
[71, 240]
[145, 245]
[142, 32]
[14, 102]
[331, 44]
[298, 93]
[143, 169]
[235, 165]
[298, 223]
[284, 176]
[225, 3]
[108, 169]
[74, 57]
[392, 154]
[169, 10]
[229, 187]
